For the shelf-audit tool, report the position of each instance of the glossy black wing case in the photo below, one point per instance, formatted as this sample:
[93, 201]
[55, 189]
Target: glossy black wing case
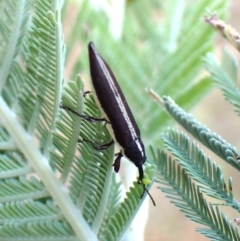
[112, 100]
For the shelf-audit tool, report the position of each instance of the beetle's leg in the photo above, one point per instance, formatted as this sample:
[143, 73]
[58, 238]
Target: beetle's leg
[100, 147]
[85, 117]
[117, 161]
[86, 93]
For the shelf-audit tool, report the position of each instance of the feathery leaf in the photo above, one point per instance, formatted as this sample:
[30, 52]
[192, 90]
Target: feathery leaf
[202, 169]
[210, 139]
[177, 184]
[225, 76]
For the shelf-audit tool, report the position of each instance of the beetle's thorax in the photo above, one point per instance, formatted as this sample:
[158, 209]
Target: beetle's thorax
[136, 152]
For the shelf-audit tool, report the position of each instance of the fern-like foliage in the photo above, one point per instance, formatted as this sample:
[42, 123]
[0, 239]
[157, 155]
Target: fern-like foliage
[178, 186]
[207, 137]
[200, 168]
[225, 76]
[191, 164]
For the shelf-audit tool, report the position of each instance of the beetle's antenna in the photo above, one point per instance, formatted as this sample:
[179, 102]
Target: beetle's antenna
[145, 190]
[140, 181]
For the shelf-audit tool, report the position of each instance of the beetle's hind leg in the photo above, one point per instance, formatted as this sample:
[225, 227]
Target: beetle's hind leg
[98, 148]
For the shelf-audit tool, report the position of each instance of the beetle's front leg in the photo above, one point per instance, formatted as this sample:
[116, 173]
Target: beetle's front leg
[117, 162]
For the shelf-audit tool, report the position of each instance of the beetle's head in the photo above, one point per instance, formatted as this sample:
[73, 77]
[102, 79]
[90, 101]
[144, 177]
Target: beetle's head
[136, 153]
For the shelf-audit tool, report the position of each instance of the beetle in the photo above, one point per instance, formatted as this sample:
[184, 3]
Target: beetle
[117, 115]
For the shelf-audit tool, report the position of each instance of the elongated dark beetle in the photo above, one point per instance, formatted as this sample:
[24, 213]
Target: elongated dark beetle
[117, 115]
